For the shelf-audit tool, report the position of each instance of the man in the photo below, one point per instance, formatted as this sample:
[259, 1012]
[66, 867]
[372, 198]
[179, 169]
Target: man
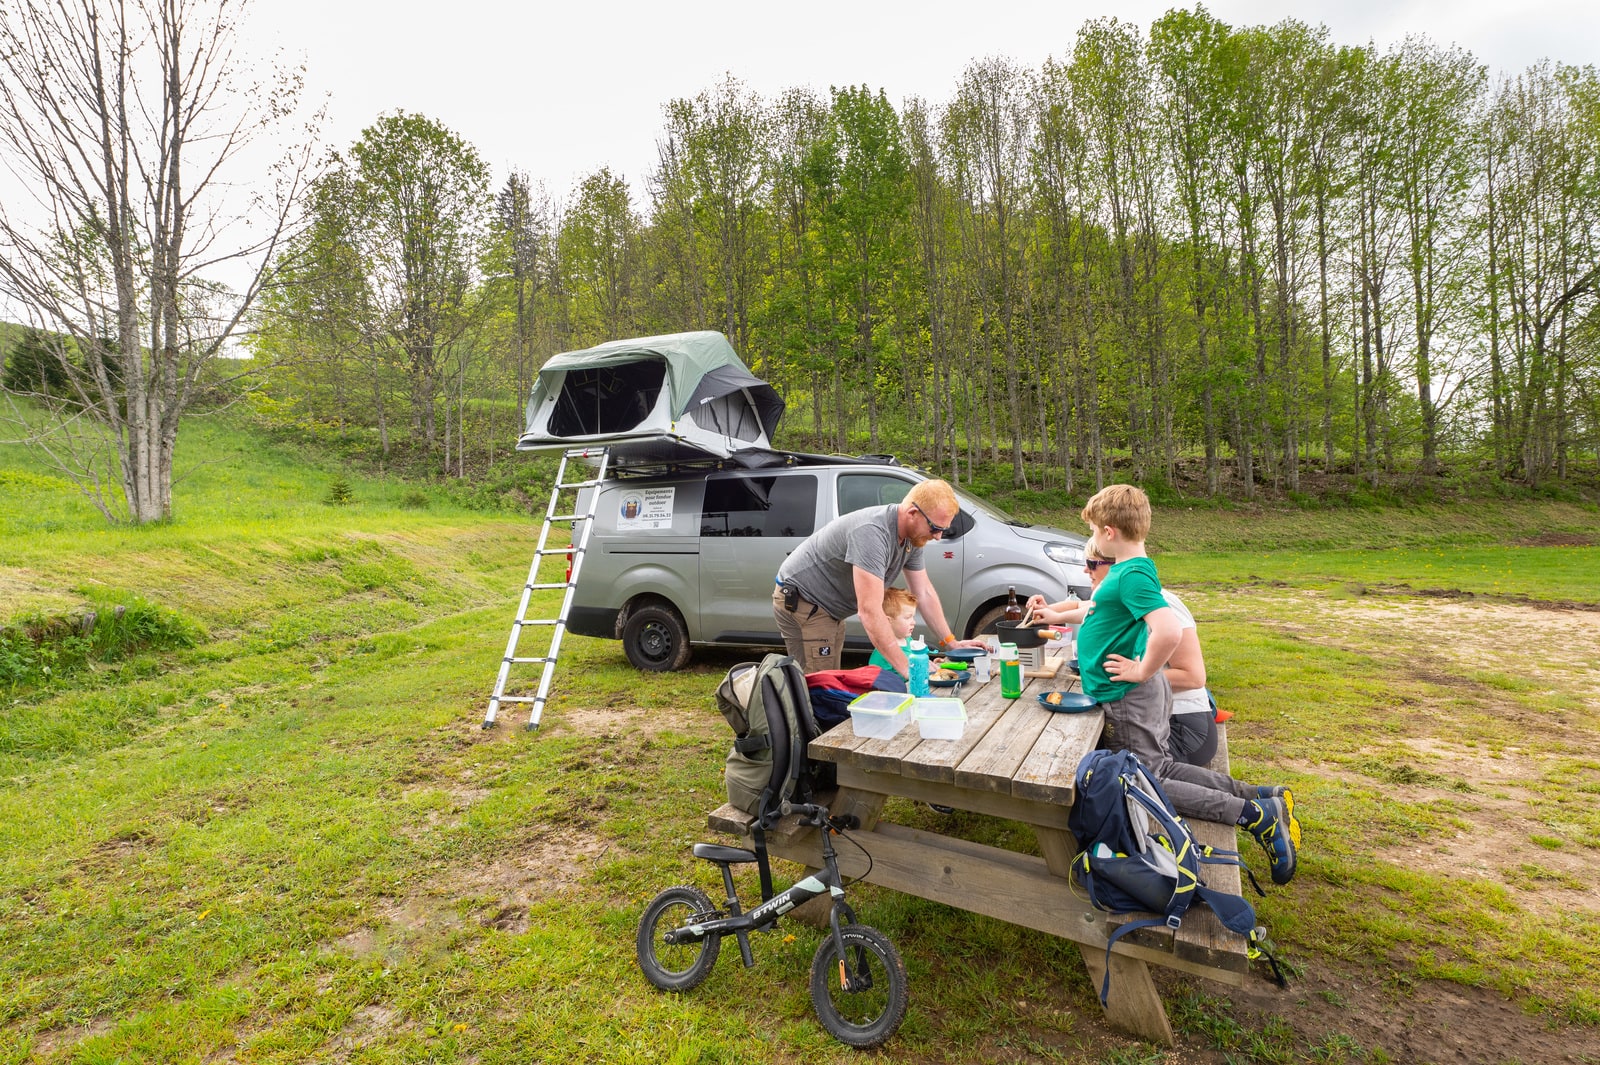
[843, 567]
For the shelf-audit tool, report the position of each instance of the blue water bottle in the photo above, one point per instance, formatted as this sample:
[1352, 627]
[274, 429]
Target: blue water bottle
[918, 655]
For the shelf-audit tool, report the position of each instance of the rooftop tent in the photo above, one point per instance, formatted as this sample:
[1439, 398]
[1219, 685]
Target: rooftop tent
[663, 398]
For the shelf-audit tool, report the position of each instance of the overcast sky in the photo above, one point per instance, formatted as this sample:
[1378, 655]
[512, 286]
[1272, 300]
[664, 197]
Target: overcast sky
[559, 90]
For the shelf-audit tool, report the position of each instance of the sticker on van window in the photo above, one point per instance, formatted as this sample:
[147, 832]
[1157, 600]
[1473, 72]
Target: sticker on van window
[647, 508]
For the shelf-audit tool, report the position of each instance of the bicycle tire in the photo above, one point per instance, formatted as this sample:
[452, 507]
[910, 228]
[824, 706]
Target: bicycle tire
[868, 1016]
[670, 967]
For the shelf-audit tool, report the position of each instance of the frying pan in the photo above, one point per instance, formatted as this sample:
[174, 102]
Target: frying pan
[1032, 636]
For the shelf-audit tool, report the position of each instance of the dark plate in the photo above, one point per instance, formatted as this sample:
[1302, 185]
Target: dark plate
[964, 654]
[1071, 703]
[934, 682]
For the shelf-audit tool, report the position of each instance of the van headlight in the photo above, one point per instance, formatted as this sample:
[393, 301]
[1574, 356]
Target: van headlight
[1066, 554]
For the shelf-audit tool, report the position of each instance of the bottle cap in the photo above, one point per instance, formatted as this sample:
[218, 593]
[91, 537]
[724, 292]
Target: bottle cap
[918, 645]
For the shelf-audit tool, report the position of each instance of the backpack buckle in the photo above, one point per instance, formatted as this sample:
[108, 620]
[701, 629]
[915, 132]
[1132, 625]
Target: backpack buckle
[1174, 921]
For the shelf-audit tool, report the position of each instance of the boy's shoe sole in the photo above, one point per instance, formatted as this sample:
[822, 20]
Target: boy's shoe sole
[1276, 831]
[1280, 791]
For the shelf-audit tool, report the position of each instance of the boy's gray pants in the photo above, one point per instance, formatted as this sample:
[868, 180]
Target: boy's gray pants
[1140, 722]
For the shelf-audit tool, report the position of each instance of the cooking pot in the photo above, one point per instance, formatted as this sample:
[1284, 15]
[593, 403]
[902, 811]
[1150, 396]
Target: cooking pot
[1032, 636]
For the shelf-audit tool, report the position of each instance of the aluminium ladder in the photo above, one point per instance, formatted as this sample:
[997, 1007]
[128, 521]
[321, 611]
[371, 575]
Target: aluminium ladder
[579, 544]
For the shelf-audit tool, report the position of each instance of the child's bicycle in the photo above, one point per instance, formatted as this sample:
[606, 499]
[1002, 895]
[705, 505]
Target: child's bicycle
[858, 982]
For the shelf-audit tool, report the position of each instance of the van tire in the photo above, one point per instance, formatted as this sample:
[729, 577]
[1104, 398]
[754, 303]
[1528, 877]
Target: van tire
[983, 624]
[655, 639]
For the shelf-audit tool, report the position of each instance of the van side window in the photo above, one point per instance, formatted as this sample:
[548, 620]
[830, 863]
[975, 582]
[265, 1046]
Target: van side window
[858, 490]
[760, 506]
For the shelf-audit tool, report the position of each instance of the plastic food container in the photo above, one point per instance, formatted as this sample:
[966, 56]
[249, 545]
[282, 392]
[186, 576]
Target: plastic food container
[940, 719]
[879, 715]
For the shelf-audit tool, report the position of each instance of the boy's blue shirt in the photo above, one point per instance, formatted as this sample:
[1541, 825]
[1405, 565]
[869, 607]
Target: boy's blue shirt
[1116, 625]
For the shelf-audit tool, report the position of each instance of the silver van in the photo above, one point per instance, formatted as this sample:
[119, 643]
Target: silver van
[680, 557]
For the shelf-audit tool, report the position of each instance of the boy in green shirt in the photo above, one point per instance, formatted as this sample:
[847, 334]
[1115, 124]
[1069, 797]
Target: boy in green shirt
[1127, 636]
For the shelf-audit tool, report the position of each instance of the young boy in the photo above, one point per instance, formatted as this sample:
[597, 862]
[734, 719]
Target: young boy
[900, 607]
[1122, 644]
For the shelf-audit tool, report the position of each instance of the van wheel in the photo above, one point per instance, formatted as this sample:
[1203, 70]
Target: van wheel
[655, 639]
[984, 625]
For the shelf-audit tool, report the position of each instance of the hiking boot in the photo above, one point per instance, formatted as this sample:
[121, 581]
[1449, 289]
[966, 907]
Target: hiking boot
[1279, 791]
[1275, 829]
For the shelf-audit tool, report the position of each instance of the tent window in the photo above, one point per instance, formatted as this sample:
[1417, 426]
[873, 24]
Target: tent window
[607, 399]
[730, 415]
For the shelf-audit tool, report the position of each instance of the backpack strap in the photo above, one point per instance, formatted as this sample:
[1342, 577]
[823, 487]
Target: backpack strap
[1218, 856]
[759, 837]
[1148, 922]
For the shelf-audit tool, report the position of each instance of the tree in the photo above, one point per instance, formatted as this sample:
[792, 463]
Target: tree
[127, 123]
[36, 365]
[421, 194]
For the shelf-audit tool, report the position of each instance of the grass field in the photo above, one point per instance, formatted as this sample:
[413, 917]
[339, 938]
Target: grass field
[291, 841]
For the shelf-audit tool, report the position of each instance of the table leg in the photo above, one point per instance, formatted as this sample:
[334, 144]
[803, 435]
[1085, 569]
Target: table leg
[1134, 1006]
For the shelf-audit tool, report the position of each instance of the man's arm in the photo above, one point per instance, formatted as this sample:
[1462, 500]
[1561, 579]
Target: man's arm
[932, 611]
[869, 607]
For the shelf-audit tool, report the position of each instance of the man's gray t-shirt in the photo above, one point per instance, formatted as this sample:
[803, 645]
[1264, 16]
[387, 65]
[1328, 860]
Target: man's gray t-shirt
[822, 567]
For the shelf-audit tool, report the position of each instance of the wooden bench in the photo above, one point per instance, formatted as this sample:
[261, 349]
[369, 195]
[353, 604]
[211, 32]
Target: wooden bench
[1032, 892]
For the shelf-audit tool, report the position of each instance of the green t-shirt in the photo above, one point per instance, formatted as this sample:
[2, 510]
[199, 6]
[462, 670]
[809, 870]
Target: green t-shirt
[1116, 625]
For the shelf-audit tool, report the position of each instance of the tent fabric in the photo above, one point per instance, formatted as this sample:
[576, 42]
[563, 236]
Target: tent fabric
[700, 367]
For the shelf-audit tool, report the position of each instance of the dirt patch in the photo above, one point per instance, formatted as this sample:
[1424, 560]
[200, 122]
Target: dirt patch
[491, 893]
[1408, 1020]
[48, 1043]
[1556, 539]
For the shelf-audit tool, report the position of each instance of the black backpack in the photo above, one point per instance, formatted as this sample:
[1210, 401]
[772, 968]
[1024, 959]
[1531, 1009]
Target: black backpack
[1138, 855]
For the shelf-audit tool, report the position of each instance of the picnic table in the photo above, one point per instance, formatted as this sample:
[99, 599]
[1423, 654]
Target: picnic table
[1014, 760]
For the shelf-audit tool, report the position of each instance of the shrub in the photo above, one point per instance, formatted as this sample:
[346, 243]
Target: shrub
[339, 492]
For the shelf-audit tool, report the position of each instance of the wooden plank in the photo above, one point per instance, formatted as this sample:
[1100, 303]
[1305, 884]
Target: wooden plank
[1050, 815]
[937, 760]
[991, 763]
[1017, 888]
[1047, 773]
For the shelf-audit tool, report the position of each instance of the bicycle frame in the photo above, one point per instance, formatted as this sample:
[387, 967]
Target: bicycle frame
[825, 881]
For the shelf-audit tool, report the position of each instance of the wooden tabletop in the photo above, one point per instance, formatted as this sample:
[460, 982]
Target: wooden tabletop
[1012, 747]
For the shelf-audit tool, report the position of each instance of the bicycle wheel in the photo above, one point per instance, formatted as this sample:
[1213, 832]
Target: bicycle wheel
[868, 1013]
[676, 967]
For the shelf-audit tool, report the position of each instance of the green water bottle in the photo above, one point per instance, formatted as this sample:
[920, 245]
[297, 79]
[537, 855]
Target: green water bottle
[1010, 671]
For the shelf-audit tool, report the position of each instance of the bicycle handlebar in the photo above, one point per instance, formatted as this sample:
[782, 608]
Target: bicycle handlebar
[817, 815]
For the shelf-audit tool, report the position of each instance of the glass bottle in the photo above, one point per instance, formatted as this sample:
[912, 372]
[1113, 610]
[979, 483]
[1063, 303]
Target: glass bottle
[1013, 608]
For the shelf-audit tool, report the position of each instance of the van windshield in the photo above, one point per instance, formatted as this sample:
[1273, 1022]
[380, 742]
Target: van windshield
[968, 503]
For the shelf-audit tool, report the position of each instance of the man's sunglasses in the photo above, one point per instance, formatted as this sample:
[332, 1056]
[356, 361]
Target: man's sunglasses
[937, 530]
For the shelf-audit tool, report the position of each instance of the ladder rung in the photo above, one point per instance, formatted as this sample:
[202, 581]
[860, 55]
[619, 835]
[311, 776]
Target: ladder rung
[577, 484]
[570, 517]
[544, 658]
[547, 587]
[519, 698]
[560, 551]
[536, 621]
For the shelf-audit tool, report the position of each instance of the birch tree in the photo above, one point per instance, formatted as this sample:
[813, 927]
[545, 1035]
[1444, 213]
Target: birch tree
[136, 239]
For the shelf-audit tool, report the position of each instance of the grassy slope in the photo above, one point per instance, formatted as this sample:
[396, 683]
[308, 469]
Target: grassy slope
[292, 842]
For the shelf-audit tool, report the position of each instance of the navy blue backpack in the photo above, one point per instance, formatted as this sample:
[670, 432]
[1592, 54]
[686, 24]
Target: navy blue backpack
[1137, 855]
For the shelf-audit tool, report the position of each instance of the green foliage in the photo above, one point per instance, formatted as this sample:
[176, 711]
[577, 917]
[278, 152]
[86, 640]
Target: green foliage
[41, 649]
[33, 364]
